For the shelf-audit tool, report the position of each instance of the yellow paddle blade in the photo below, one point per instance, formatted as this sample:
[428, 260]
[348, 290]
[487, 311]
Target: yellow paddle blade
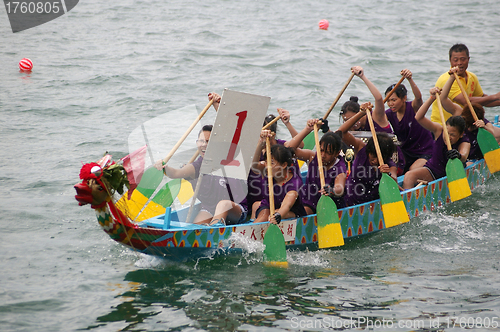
[459, 189]
[334, 238]
[458, 186]
[329, 229]
[394, 214]
[393, 208]
[276, 264]
[492, 159]
[186, 191]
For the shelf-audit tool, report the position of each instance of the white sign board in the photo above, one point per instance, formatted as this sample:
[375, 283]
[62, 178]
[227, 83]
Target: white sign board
[235, 135]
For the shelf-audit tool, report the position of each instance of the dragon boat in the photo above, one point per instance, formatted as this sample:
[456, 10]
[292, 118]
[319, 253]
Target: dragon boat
[167, 236]
[162, 230]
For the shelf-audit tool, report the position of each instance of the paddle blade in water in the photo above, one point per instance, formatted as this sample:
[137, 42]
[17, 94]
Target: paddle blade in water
[275, 252]
[329, 230]
[393, 208]
[489, 147]
[458, 186]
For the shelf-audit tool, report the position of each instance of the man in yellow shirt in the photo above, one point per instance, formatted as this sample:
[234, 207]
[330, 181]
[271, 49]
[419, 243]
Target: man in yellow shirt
[459, 57]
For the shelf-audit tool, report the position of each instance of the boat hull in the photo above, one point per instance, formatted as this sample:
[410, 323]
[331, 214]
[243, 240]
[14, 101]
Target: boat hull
[187, 241]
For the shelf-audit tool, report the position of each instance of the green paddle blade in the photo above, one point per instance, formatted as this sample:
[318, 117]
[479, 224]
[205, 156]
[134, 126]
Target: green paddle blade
[489, 147]
[329, 230]
[309, 141]
[275, 252]
[393, 208]
[458, 186]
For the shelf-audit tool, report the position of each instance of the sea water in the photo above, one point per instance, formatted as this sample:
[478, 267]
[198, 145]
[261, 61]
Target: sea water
[106, 67]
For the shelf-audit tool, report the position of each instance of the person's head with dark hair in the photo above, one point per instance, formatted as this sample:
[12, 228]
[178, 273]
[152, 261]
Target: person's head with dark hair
[458, 48]
[206, 128]
[400, 91]
[281, 159]
[330, 145]
[282, 154]
[456, 128]
[351, 105]
[268, 119]
[459, 57]
[349, 109]
[387, 148]
[469, 119]
[397, 101]
[203, 138]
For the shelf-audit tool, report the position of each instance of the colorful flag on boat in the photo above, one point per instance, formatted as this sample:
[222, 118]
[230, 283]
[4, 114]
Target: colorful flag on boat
[134, 165]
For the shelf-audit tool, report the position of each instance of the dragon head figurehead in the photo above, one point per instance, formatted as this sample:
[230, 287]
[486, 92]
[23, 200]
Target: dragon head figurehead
[99, 181]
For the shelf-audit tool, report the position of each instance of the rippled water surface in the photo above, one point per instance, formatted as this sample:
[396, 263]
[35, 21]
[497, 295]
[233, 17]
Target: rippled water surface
[106, 67]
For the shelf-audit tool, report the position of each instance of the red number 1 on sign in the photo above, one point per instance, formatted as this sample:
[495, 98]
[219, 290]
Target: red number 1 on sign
[229, 161]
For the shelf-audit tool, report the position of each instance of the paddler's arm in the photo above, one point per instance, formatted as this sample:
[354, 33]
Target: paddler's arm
[392, 171]
[297, 139]
[186, 172]
[448, 105]
[257, 165]
[285, 207]
[417, 102]
[433, 127]
[285, 118]
[302, 154]
[378, 112]
[464, 149]
[347, 137]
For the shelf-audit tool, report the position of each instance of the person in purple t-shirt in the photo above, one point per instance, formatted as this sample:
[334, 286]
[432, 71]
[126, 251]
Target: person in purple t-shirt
[380, 121]
[435, 167]
[256, 181]
[286, 184]
[363, 181]
[416, 141]
[334, 168]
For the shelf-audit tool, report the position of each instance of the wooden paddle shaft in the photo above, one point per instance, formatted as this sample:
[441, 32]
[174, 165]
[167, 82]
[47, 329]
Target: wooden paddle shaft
[375, 139]
[443, 123]
[176, 146]
[464, 93]
[270, 123]
[318, 155]
[270, 176]
[393, 89]
[338, 96]
[193, 158]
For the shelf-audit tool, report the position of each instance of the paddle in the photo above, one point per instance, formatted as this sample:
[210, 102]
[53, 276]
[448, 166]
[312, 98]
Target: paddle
[329, 230]
[271, 123]
[393, 89]
[181, 140]
[309, 140]
[275, 252]
[393, 208]
[486, 141]
[458, 186]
